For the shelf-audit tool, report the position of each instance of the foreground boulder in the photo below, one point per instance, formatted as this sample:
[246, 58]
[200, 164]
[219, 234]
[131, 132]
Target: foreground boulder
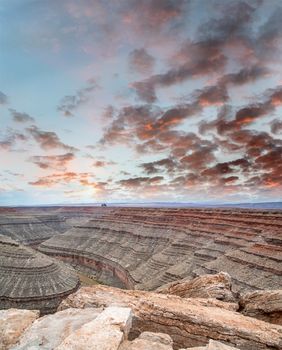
[13, 323]
[213, 345]
[49, 331]
[189, 322]
[207, 286]
[264, 305]
[149, 341]
[106, 332]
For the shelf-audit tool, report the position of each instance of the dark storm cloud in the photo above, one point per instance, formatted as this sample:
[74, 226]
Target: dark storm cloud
[48, 139]
[57, 162]
[71, 102]
[20, 117]
[141, 61]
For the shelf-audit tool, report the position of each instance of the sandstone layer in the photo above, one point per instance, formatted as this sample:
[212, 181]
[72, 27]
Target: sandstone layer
[265, 305]
[13, 323]
[31, 280]
[217, 286]
[144, 248]
[32, 229]
[189, 322]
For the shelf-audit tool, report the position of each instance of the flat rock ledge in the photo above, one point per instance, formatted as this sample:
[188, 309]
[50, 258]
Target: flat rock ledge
[82, 329]
[189, 322]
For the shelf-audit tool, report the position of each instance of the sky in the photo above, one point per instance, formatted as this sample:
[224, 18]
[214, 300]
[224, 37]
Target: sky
[140, 100]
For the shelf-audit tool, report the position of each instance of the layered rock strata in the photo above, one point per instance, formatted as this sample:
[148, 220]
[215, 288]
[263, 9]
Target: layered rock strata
[31, 280]
[32, 229]
[144, 248]
[189, 322]
[264, 305]
[207, 286]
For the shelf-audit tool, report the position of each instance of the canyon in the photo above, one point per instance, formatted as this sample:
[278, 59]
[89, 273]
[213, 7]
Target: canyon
[146, 248]
[173, 278]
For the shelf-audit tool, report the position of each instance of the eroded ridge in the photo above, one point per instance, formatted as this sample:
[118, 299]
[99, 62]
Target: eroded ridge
[144, 248]
[30, 280]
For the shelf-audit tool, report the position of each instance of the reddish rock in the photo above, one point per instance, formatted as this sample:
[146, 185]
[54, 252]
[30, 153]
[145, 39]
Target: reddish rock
[264, 305]
[207, 286]
[189, 322]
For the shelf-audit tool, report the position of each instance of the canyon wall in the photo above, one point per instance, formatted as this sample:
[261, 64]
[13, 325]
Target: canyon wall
[31, 280]
[144, 248]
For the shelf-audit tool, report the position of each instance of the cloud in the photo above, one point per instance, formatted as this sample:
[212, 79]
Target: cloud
[198, 159]
[20, 117]
[10, 139]
[108, 113]
[140, 181]
[212, 96]
[168, 164]
[141, 61]
[103, 163]
[245, 75]
[203, 58]
[3, 98]
[60, 178]
[71, 102]
[276, 126]
[48, 140]
[57, 162]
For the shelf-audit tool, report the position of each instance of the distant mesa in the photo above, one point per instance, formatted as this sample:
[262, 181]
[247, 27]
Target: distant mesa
[103, 205]
[31, 280]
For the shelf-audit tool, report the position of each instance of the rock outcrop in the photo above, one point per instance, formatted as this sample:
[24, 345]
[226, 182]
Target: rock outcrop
[31, 280]
[49, 331]
[213, 345]
[264, 305]
[32, 229]
[207, 286]
[144, 248]
[13, 323]
[189, 322]
[149, 341]
[106, 332]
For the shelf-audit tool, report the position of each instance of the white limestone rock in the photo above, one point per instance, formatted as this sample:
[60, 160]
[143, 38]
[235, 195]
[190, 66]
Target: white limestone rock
[106, 332]
[49, 331]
